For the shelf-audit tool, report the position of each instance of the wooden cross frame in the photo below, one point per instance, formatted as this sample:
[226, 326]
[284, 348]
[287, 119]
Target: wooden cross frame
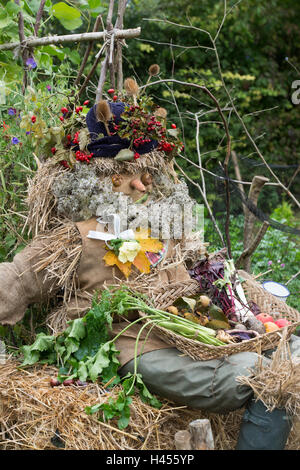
[111, 51]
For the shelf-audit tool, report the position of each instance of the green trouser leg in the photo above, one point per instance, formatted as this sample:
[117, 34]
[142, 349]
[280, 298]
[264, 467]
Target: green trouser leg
[207, 385]
[263, 430]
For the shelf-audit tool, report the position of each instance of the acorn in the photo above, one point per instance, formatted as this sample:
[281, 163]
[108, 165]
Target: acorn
[117, 180]
[146, 179]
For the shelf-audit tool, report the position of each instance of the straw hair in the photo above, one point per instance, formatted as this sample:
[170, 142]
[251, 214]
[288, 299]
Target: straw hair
[60, 255]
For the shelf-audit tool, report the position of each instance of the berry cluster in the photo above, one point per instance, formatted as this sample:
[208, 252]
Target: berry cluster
[141, 127]
[83, 157]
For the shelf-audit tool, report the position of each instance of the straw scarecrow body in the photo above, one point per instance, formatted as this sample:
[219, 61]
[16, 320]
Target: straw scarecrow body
[64, 208]
[71, 256]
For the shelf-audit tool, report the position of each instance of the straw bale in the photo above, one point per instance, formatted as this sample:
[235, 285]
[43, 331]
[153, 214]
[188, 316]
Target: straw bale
[35, 416]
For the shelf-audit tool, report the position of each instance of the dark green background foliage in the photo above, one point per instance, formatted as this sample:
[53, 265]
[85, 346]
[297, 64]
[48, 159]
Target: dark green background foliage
[253, 46]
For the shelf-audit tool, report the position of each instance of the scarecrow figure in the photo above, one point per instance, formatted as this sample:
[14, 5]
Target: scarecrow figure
[73, 254]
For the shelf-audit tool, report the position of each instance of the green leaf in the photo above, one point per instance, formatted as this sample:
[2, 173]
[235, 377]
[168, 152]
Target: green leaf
[53, 51]
[42, 344]
[94, 4]
[68, 16]
[12, 8]
[5, 19]
[30, 356]
[124, 155]
[145, 395]
[100, 361]
[174, 132]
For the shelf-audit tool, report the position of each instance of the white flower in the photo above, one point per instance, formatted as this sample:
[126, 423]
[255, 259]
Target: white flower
[128, 251]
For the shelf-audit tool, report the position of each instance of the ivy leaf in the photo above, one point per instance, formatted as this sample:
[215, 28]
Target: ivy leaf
[68, 16]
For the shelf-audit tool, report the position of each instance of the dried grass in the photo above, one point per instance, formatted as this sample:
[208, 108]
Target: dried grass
[59, 256]
[277, 384]
[32, 414]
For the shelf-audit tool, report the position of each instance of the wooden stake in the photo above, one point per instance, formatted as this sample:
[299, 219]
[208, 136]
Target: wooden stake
[201, 435]
[183, 440]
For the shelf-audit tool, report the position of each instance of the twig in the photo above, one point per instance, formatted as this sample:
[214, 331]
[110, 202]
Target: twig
[24, 51]
[238, 175]
[102, 78]
[87, 52]
[120, 24]
[91, 72]
[205, 202]
[39, 17]
[293, 277]
[251, 249]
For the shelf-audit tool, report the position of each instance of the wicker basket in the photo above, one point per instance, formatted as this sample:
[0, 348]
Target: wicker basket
[162, 298]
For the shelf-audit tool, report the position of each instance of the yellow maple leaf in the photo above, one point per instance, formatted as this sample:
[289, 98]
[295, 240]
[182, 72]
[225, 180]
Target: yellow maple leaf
[111, 259]
[146, 243]
[151, 244]
[142, 263]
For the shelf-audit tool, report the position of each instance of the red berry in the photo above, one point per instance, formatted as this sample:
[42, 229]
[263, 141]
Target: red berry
[111, 90]
[53, 150]
[69, 137]
[33, 119]
[173, 126]
[115, 97]
[86, 102]
[61, 118]
[64, 110]
[136, 155]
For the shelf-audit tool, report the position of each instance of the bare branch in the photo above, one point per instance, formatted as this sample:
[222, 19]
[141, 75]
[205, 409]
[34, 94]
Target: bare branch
[82, 37]
[87, 52]
[39, 17]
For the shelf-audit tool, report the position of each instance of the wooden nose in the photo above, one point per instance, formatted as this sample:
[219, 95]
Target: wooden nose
[137, 184]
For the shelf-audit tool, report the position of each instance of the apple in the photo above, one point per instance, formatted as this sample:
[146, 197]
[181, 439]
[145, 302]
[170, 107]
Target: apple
[265, 317]
[270, 326]
[282, 322]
